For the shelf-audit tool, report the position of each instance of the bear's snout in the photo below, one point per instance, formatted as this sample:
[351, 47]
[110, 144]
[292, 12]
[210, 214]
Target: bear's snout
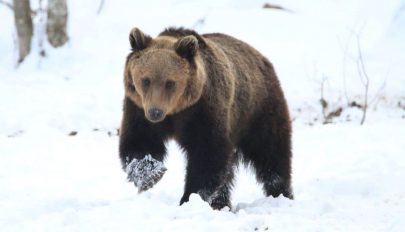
[155, 114]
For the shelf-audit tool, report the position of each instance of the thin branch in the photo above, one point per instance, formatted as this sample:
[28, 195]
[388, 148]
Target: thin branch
[100, 6]
[323, 102]
[9, 5]
[378, 93]
[199, 22]
[365, 81]
[361, 69]
[345, 55]
[364, 77]
[382, 87]
[276, 7]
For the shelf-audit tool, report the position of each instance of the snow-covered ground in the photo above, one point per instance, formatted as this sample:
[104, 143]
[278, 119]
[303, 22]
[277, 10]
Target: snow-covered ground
[346, 177]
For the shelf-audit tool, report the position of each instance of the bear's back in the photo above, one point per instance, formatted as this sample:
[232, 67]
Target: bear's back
[240, 76]
[255, 80]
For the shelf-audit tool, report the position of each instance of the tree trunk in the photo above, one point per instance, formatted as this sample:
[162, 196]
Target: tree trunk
[23, 24]
[56, 22]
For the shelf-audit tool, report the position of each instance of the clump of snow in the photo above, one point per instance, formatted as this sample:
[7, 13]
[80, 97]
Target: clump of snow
[145, 173]
[197, 200]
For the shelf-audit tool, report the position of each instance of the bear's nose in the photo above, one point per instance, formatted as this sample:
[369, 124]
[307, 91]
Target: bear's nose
[155, 114]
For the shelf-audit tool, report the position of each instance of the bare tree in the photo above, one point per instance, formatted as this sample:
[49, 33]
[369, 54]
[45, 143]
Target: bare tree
[362, 73]
[365, 80]
[23, 24]
[57, 22]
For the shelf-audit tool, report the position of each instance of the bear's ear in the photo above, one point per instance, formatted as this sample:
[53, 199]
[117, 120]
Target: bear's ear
[187, 47]
[138, 40]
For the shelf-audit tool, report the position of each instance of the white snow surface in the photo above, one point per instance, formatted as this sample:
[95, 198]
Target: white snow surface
[346, 177]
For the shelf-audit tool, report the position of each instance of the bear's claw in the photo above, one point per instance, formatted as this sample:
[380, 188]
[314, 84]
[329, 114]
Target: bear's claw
[145, 173]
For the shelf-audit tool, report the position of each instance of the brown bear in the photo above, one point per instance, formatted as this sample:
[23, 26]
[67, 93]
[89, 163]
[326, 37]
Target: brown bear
[219, 98]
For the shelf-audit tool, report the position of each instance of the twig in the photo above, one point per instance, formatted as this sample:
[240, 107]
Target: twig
[9, 5]
[361, 69]
[199, 22]
[364, 78]
[345, 55]
[323, 102]
[276, 7]
[100, 6]
[378, 93]
[333, 114]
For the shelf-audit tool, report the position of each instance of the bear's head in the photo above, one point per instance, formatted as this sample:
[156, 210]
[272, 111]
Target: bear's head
[163, 75]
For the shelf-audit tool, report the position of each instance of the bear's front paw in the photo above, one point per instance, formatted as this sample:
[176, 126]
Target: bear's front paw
[145, 172]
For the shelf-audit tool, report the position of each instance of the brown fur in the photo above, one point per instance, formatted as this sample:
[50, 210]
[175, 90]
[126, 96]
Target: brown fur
[160, 53]
[226, 95]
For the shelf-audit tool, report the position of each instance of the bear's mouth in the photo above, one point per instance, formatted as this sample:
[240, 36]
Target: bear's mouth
[155, 121]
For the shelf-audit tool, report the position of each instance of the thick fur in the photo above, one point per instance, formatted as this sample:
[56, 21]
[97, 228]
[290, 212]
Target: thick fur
[229, 102]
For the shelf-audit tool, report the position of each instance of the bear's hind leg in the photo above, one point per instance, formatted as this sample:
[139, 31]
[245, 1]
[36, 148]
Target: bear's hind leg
[268, 149]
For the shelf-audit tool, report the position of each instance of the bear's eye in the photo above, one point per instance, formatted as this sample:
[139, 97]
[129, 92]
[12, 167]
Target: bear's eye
[145, 82]
[169, 85]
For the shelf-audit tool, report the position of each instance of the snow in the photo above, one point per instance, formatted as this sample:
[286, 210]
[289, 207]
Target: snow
[145, 173]
[346, 177]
